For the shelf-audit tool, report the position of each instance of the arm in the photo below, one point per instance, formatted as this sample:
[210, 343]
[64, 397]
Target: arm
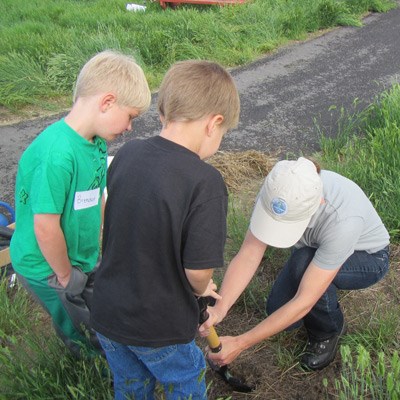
[312, 286]
[103, 207]
[200, 280]
[50, 238]
[238, 275]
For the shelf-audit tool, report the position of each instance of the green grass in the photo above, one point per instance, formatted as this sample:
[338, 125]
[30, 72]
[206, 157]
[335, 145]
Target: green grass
[366, 150]
[44, 43]
[364, 377]
[41, 51]
[34, 363]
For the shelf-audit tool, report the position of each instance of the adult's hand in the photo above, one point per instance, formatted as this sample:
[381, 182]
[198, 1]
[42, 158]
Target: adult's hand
[231, 349]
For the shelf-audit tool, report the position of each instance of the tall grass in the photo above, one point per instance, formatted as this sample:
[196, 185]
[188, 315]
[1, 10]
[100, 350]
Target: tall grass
[34, 363]
[367, 151]
[365, 378]
[380, 333]
[238, 220]
[44, 43]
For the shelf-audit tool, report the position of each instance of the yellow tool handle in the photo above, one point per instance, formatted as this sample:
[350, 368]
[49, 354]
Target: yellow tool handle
[213, 340]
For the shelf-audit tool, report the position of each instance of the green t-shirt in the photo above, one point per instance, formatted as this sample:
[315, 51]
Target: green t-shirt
[59, 173]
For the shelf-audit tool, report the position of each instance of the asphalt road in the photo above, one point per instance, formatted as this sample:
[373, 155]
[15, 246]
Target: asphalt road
[281, 94]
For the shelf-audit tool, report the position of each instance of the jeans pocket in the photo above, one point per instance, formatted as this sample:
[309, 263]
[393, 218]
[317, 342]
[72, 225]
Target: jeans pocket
[76, 284]
[53, 282]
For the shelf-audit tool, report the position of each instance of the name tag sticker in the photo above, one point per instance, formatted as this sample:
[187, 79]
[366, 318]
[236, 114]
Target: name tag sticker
[86, 199]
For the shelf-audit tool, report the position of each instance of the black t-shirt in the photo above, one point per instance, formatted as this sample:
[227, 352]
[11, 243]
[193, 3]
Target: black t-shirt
[166, 211]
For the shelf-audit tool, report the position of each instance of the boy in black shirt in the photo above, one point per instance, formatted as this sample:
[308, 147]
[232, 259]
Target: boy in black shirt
[164, 232]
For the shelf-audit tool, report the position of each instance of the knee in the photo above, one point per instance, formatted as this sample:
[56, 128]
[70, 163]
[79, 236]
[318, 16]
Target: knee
[299, 261]
[287, 283]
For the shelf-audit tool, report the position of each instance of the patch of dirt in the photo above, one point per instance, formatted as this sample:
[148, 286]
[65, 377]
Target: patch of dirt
[9, 116]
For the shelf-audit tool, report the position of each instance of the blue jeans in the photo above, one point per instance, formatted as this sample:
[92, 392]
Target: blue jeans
[325, 319]
[179, 368]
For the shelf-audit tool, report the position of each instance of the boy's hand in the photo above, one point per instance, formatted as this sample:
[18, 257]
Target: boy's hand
[201, 282]
[210, 291]
[213, 319]
[64, 279]
[51, 241]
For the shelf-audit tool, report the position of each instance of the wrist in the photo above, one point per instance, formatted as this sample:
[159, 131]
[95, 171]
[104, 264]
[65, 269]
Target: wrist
[220, 311]
[243, 342]
[64, 276]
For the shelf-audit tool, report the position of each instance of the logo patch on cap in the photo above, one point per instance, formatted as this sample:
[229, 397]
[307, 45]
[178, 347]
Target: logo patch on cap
[279, 206]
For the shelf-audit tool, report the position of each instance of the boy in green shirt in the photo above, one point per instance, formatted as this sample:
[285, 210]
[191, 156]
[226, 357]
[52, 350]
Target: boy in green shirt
[59, 193]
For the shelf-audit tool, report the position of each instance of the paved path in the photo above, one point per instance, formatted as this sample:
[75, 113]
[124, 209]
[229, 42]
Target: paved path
[281, 94]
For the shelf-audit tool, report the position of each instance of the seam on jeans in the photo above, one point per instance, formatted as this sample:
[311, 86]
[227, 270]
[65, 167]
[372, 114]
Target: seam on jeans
[155, 352]
[106, 343]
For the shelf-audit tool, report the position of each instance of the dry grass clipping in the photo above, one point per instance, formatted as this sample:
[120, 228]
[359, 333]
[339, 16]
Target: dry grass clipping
[237, 168]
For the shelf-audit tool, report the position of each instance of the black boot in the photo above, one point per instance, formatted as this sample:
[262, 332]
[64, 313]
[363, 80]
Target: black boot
[319, 354]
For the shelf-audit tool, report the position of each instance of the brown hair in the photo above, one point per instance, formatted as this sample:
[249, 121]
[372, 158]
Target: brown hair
[111, 71]
[317, 165]
[194, 89]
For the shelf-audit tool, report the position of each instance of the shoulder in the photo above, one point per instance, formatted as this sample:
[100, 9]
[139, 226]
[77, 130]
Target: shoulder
[343, 230]
[208, 176]
[334, 183]
[344, 197]
[331, 178]
[51, 145]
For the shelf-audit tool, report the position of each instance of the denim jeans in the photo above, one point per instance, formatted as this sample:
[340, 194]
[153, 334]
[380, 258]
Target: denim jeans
[325, 319]
[179, 368]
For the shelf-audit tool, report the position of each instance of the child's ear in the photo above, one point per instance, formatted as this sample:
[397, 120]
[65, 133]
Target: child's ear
[214, 122]
[107, 101]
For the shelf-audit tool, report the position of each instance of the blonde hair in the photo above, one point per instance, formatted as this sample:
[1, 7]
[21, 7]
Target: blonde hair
[111, 71]
[194, 89]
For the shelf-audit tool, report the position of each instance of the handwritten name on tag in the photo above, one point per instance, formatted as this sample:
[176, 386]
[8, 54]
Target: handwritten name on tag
[86, 199]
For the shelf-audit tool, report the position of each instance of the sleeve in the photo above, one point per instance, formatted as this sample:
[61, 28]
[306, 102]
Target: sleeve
[338, 243]
[205, 236]
[50, 185]
[204, 232]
